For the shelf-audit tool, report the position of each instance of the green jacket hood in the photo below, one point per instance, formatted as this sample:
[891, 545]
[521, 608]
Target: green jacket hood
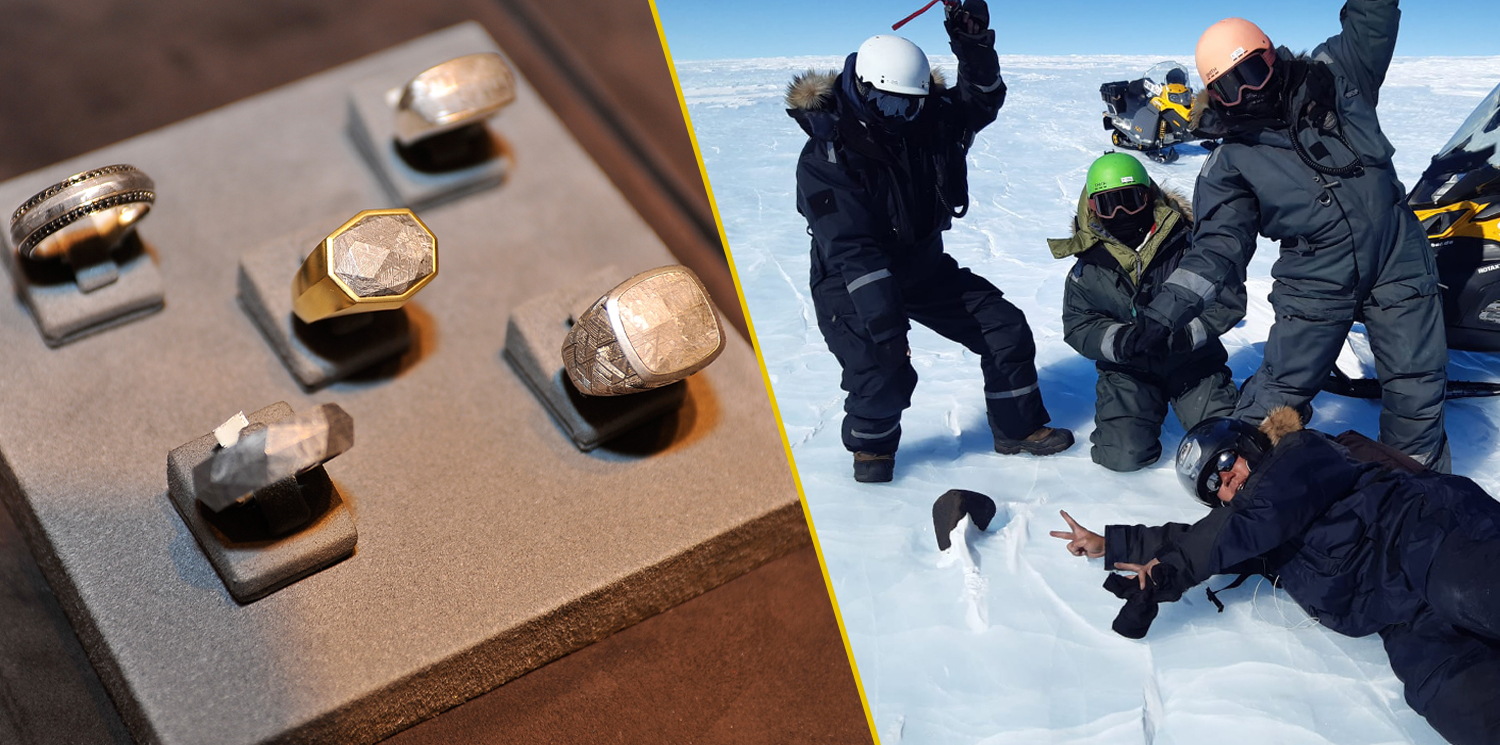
[1170, 208]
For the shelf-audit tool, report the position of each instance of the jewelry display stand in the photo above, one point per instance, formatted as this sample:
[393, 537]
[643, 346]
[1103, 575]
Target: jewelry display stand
[445, 167]
[533, 346]
[251, 555]
[69, 304]
[488, 544]
[320, 353]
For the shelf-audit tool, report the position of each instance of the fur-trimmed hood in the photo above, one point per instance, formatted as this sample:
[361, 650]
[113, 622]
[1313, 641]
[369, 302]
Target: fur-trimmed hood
[812, 90]
[1280, 422]
[816, 99]
[1171, 210]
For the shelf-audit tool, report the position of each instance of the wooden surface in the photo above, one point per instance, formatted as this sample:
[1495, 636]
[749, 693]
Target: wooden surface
[757, 660]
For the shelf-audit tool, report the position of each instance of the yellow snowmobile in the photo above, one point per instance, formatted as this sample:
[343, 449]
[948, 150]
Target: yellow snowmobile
[1151, 113]
[1458, 201]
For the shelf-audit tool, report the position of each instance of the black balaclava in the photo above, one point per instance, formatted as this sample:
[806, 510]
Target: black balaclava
[1131, 230]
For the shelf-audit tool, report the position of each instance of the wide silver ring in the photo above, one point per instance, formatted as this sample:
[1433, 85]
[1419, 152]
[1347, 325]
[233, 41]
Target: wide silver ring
[651, 330]
[113, 199]
[456, 93]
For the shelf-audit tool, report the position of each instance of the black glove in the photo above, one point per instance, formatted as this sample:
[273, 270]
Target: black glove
[1181, 342]
[1134, 619]
[971, 17]
[892, 352]
[1140, 340]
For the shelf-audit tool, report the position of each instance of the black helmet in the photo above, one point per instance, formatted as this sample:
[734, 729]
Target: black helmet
[1198, 455]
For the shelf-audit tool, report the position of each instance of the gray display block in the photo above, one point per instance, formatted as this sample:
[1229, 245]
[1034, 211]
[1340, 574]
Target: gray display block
[533, 346]
[68, 307]
[320, 353]
[488, 544]
[443, 168]
[251, 560]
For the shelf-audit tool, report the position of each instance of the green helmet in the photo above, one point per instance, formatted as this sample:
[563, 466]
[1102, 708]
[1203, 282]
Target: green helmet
[1115, 170]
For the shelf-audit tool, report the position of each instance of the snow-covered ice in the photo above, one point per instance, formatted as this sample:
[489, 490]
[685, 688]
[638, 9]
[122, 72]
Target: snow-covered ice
[1008, 639]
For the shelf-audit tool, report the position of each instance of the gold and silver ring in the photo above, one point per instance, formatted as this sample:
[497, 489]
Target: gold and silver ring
[103, 204]
[377, 260]
[454, 94]
[651, 330]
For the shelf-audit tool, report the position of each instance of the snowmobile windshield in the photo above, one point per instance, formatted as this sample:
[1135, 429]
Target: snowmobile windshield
[1129, 200]
[1251, 74]
[1469, 165]
[1164, 75]
[894, 105]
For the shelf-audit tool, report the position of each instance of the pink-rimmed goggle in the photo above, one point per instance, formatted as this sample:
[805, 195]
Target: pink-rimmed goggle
[1250, 74]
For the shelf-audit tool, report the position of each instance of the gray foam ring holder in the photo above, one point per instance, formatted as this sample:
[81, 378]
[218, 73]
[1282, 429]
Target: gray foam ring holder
[320, 353]
[488, 544]
[252, 562]
[65, 313]
[533, 346]
[372, 127]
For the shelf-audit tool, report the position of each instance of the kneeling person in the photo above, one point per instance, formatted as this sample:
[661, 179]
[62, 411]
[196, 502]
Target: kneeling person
[1127, 238]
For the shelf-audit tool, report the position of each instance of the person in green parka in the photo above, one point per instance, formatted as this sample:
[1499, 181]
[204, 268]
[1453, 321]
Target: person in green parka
[1127, 238]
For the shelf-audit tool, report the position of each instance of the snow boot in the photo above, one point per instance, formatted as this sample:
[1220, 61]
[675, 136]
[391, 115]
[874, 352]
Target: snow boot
[873, 468]
[1044, 441]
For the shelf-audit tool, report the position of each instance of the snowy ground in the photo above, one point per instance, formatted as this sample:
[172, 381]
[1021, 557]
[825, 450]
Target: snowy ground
[1010, 642]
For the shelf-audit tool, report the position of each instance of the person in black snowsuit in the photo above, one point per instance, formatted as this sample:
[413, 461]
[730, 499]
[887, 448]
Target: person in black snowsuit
[1361, 536]
[881, 177]
[1304, 162]
[1121, 263]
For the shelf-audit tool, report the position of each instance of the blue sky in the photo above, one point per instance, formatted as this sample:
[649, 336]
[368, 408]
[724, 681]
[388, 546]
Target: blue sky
[726, 29]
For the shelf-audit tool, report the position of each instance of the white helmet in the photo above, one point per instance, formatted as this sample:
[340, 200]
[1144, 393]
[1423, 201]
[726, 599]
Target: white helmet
[894, 65]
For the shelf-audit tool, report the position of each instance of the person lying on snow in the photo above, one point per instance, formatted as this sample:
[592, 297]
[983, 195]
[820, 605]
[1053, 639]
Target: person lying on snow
[1360, 536]
[1128, 236]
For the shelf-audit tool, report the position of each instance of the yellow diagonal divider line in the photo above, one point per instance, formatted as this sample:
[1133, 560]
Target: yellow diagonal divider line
[765, 376]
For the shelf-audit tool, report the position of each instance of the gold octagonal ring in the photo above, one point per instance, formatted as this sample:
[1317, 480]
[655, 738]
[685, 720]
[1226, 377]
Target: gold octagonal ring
[377, 260]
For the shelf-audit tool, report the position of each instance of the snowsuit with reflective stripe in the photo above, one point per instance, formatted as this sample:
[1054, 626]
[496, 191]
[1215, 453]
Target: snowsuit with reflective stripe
[1107, 285]
[1351, 249]
[877, 201]
[1364, 549]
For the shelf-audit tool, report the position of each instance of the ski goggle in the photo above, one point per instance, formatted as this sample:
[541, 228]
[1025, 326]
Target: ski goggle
[1224, 463]
[894, 105]
[1129, 199]
[1249, 74]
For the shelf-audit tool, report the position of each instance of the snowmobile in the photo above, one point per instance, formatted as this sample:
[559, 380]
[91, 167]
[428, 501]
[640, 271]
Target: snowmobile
[1151, 113]
[1457, 199]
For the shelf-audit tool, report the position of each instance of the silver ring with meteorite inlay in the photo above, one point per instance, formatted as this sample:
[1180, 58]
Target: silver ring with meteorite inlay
[456, 93]
[653, 329]
[102, 204]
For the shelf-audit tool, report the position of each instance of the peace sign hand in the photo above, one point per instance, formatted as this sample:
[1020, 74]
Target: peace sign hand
[1081, 540]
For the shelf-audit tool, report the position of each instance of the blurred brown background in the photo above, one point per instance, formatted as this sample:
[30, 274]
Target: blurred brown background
[758, 660]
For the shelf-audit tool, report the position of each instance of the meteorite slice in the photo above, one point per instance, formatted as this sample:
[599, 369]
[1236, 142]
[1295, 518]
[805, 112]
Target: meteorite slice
[264, 456]
[669, 322]
[383, 255]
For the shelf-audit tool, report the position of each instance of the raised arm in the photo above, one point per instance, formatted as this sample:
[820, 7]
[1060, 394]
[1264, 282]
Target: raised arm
[981, 89]
[1365, 45]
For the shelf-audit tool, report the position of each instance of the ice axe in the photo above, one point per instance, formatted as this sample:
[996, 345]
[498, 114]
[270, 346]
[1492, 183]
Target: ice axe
[898, 24]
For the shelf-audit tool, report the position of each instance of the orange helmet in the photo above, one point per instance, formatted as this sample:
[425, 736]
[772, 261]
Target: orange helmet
[1227, 43]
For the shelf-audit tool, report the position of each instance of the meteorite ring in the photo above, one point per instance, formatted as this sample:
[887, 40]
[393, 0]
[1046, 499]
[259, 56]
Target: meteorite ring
[377, 260]
[255, 457]
[456, 93]
[99, 205]
[653, 329]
